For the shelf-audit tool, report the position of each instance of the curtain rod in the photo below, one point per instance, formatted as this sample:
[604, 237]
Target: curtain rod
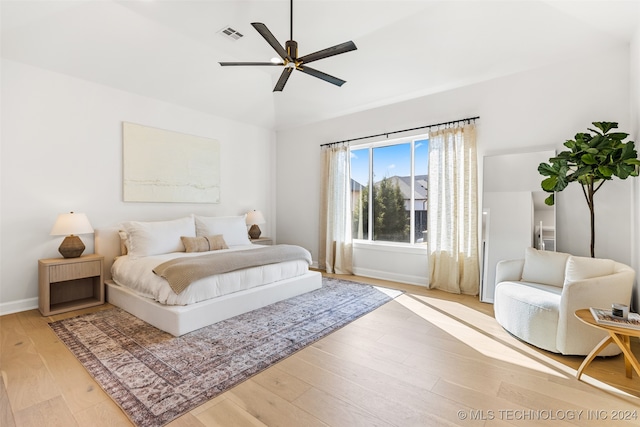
[403, 130]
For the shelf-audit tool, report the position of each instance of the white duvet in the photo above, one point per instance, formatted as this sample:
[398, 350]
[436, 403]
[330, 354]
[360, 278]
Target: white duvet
[137, 275]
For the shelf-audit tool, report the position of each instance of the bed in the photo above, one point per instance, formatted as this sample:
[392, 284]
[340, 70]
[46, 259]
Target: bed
[132, 250]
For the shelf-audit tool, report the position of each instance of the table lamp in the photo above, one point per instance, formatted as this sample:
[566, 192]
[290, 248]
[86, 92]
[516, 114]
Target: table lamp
[254, 218]
[70, 224]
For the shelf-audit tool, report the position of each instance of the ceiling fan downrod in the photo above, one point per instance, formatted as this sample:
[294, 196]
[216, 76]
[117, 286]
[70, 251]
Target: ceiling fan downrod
[291, 20]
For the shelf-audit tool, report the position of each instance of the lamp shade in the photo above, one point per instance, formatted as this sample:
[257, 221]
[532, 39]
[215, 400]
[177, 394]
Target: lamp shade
[255, 217]
[71, 223]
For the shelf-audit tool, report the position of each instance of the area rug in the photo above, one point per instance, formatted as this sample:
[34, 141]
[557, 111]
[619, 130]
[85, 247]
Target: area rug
[155, 377]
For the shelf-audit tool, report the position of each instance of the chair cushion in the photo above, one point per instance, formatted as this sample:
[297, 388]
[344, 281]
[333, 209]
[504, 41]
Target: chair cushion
[544, 267]
[580, 268]
[529, 311]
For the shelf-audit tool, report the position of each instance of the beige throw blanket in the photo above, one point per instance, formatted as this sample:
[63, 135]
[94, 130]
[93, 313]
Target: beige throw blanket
[181, 272]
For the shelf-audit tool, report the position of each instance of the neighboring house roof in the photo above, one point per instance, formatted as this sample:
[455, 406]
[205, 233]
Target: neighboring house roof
[356, 186]
[404, 182]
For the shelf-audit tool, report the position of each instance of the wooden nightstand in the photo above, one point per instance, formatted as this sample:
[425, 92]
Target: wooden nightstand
[67, 284]
[262, 241]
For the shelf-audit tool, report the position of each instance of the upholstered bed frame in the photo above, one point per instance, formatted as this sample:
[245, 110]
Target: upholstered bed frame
[179, 320]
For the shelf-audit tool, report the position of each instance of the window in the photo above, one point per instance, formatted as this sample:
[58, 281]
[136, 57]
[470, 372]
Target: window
[394, 208]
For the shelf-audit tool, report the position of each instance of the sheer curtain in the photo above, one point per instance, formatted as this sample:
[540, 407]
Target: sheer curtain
[453, 210]
[336, 248]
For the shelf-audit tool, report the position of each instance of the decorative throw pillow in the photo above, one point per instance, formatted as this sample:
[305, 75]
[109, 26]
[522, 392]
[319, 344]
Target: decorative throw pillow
[232, 228]
[124, 242]
[204, 243]
[580, 268]
[544, 267]
[158, 237]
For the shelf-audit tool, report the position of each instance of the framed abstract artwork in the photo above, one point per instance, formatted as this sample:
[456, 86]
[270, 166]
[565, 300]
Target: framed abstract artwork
[166, 166]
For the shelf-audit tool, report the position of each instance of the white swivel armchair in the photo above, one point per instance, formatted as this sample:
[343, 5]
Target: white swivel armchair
[536, 298]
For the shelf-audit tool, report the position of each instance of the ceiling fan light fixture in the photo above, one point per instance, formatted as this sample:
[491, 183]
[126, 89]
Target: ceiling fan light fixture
[276, 60]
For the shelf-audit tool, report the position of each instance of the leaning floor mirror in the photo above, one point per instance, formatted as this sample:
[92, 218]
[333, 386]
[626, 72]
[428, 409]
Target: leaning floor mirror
[514, 215]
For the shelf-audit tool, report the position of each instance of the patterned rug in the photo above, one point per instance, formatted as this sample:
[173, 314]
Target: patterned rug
[155, 377]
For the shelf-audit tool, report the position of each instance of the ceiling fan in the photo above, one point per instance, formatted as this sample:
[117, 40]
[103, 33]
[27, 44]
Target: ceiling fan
[289, 56]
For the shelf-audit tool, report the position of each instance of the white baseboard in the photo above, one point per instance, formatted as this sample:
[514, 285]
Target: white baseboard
[18, 306]
[394, 277]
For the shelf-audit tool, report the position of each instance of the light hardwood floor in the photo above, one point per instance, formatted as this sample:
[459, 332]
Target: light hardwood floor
[426, 359]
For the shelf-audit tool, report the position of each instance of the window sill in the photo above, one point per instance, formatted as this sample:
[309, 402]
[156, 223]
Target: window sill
[390, 247]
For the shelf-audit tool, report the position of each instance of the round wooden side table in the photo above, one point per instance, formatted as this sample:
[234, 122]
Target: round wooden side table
[617, 335]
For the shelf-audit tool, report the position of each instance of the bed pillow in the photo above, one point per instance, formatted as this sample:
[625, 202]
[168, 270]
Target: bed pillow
[232, 228]
[158, 237]
[204, 243]
[545, 267]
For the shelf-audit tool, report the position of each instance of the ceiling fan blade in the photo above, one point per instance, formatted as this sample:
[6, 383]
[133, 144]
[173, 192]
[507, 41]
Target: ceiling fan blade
[283, 79]
[270, 38]
[319, 74]
[226, 64]
[330, 51]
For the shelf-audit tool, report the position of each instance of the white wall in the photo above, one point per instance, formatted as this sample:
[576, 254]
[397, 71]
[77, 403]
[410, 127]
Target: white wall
[635, 131]
[62, 151]
[537, 108]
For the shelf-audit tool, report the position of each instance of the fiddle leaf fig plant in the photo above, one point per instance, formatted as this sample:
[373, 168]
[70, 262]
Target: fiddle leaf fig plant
[592, 158]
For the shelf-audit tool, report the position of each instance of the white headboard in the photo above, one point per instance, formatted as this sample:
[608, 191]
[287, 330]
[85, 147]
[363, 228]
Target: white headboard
[107, 243]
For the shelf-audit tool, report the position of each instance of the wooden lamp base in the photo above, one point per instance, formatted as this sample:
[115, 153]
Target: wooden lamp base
[71, 247]
[254, 231]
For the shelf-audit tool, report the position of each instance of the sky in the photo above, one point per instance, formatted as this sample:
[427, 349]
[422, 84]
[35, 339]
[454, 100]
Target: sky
[393, 160]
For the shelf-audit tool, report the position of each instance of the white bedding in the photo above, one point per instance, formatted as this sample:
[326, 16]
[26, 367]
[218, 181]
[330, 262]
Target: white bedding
[136, 273]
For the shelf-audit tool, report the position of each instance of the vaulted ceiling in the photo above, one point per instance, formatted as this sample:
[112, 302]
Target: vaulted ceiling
[170, 49]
